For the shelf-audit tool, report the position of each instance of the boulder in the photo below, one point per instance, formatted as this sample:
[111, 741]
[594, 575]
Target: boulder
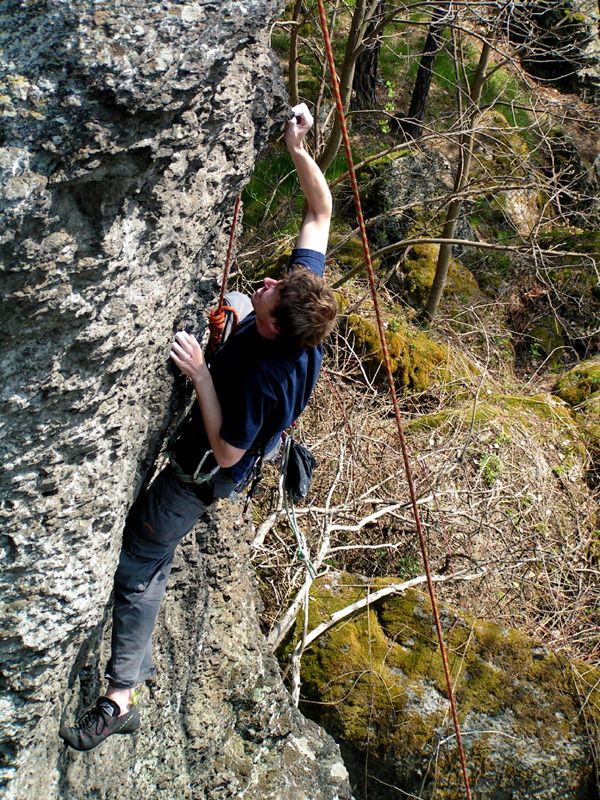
[560, 43]
[529, 718]
[580, 388]
[401, 186]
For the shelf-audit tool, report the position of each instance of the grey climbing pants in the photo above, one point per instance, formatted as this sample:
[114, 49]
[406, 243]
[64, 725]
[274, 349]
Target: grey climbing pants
[156, 524]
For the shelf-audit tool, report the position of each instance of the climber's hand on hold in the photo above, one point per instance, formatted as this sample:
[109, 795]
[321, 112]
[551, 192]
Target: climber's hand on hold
[188, 355]
[298, 126]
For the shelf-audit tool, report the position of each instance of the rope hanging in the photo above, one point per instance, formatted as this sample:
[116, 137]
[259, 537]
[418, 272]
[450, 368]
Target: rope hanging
[390, 379]
[216, 318]
[216, 321]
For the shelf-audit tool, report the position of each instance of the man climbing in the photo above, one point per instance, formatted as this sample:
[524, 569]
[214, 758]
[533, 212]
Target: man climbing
[257, 384]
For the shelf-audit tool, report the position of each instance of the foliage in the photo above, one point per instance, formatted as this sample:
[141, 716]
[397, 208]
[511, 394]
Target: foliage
[506, 474]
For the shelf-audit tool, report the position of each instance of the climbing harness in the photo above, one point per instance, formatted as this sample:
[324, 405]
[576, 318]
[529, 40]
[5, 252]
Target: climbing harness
[198, 477]
[390, 379]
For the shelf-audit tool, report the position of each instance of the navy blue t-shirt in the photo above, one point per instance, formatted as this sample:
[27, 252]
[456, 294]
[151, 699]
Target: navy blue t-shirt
[263, 385]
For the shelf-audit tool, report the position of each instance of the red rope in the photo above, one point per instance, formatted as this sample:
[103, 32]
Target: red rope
[236, 212]
[216, 318]
[390, 378]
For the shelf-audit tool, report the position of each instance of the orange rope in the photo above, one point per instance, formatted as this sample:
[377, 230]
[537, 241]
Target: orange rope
[390, 378]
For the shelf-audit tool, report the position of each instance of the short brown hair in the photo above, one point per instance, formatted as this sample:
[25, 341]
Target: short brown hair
[306, 308]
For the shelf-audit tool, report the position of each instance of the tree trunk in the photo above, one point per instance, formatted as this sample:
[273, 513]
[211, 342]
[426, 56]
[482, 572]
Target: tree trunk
[462, 174]
[293, 61]
[364, 85]
[433, 43]
[363, 13]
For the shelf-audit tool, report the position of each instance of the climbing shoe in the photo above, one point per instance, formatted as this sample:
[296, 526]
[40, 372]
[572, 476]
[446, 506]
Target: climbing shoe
[98, 723]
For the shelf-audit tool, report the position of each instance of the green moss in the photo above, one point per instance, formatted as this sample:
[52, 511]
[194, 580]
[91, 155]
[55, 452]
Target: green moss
[580, 383]
[420, 268]
[448, 420]
[414, 357]
[510, 147]
[580, 388]
[544, 406]
[377, 679]
[589, 418]
[273, 266]
[350, 254]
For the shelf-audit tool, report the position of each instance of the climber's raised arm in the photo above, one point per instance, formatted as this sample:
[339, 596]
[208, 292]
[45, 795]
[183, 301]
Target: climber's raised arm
[314, 233]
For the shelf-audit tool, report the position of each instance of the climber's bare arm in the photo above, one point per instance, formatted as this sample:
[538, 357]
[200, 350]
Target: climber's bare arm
[314, 233]
[188, 355]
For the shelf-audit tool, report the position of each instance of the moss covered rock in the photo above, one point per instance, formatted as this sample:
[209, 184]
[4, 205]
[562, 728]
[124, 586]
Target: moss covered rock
[580, 388]
[419, 270]
[376, 682]
[349, 253]
[273, 265]
[580, 383]
[414, 356]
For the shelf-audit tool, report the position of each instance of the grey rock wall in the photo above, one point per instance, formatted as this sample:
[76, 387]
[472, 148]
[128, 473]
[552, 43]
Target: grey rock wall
[128, 130]
[217, 722]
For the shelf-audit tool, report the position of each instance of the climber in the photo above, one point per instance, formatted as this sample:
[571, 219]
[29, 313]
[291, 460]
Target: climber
[257, 384]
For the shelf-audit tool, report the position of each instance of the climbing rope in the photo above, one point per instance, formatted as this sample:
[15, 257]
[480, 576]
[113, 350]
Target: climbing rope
[390, 379]
[217, 318]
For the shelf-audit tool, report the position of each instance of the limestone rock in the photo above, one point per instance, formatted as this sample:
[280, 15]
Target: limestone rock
[400, 185]
[128, 131]
[217, 721]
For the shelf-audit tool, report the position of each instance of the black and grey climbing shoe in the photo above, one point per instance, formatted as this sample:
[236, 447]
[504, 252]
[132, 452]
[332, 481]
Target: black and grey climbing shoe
[98, 723]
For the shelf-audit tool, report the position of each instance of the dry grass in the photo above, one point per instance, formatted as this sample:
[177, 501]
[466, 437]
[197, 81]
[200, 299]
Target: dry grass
[502, 497]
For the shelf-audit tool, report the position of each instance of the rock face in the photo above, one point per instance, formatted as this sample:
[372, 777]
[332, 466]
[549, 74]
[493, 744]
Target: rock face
[217, 723]
[129, 129]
